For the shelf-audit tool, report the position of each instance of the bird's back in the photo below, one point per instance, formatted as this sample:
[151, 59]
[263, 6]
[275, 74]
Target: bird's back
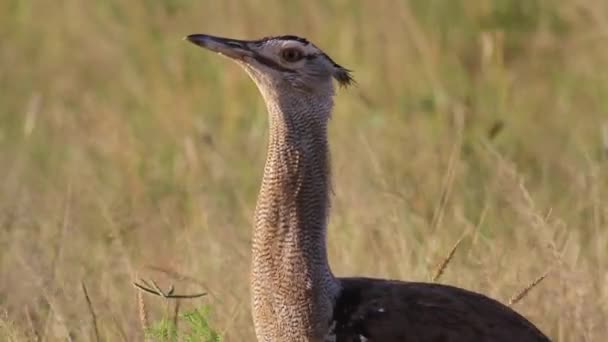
[376, 310]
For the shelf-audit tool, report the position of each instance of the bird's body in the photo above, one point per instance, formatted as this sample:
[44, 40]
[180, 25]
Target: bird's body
[295, 296]
[393, 311]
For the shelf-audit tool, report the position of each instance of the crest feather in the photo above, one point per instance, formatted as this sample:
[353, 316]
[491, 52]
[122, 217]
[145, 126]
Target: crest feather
[343, 76]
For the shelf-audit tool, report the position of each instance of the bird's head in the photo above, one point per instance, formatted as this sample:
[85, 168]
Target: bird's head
[280, 63]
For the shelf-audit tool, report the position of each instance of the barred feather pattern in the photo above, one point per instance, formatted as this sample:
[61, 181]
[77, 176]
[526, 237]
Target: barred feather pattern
[293, 288]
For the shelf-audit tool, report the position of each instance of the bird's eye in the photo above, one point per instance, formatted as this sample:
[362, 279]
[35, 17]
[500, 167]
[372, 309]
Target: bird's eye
[291, 55]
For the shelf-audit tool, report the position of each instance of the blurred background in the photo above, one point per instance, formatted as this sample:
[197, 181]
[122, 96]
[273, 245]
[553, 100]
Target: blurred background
[126, 152]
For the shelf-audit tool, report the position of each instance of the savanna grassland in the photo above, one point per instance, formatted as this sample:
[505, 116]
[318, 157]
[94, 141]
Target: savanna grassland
[127, 153]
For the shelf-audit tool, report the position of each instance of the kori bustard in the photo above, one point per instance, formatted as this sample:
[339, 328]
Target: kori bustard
[295, 296]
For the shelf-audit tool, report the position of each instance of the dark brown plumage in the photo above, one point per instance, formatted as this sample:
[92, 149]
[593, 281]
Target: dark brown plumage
[295, 296]
[391, 311]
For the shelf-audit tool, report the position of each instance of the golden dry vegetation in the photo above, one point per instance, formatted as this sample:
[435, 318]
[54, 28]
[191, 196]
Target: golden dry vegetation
[126, 152]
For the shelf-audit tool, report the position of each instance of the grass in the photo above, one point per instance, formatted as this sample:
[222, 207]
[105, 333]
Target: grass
[127, 152]
[198, 329]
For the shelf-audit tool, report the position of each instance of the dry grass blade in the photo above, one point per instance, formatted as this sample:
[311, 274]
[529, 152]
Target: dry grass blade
[91, 311]
[143, 314]
[176, 275]
[444, 263]
[32, 331]
[154, 289]
[605, 138]
[176, 314]
[524, 292]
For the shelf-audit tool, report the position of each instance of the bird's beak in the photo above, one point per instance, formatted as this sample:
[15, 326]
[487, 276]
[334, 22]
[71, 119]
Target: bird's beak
[233, 48]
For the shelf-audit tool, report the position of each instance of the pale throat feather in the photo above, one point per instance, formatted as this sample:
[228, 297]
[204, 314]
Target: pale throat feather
[293, 288]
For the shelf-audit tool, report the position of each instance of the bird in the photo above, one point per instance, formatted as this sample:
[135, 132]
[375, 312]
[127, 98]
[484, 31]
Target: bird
[294, 294]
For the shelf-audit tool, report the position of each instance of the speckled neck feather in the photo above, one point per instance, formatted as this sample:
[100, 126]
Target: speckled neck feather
[293, 288]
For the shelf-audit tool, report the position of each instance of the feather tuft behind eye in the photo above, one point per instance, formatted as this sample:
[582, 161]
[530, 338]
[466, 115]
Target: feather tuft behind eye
[343, 76]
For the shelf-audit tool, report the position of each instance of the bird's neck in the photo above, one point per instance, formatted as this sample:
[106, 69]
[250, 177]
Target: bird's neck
[292, 284]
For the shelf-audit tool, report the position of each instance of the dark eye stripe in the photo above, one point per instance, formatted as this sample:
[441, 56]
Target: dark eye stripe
[271, 64]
